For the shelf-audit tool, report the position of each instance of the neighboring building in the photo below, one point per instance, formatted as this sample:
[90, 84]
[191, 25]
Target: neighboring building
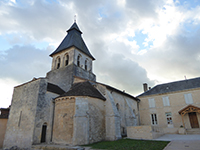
[171, 105]
[68, 106]
[4, 113]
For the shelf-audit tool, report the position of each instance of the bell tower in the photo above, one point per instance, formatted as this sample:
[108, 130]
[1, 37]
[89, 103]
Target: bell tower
[71, 58]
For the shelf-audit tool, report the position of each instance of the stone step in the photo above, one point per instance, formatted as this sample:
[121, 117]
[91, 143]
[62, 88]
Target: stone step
[55, 147]
[193, 131]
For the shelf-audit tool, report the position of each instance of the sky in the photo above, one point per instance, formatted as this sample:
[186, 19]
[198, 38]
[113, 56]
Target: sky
[133, 41]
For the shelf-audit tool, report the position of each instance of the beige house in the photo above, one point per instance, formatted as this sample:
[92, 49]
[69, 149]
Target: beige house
[69, 106]
[171, 106]
[4, 113]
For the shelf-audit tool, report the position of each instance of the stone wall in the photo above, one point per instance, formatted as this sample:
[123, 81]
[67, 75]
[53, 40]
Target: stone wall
[177, 102]
[82, 60]
[89, 121]
[3, 123]
[44, 115]
[63, 77]
[142, 132]
[62, 54]
[96, 116]
[63, 127]
[21, 122]
[117, 119]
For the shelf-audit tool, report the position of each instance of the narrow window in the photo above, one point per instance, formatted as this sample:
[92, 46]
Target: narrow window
[58, 63]
[123, 130]
[20, 116]
[169, 117]
[43, 134]
[85, 64]
[152, 103]
[78, 61]
[66, 60]
[117, 105]
[154, 119]
[188, 98]
[166, 101]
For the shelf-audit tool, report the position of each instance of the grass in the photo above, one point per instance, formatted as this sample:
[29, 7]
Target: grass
[129, 144]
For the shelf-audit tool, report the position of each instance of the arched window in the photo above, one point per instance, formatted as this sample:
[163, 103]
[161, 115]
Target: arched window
[43, 134]
[85, 64]
[66, 59]
[117, 105]
[78, 60]
[58, 62]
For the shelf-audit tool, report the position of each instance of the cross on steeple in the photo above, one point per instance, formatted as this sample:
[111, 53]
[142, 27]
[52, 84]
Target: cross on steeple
[74, 18]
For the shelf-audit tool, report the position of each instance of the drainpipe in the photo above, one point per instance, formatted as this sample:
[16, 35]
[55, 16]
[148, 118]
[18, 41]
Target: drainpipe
[138, 112]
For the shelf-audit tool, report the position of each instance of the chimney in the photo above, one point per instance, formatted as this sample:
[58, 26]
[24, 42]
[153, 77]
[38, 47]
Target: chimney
[145, 86]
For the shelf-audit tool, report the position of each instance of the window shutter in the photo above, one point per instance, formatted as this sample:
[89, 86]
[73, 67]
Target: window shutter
[188, 98]
[151, 102]
[166, 101]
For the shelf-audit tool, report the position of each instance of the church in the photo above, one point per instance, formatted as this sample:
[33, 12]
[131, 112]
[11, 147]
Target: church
[69, 106]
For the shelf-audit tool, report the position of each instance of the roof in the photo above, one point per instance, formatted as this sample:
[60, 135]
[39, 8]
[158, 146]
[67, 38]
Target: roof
[54, 89]
[188, 109]
[121, 92]
[173, 87]
[84, 89]
[111, 88]
[73, 38]
[4, 113]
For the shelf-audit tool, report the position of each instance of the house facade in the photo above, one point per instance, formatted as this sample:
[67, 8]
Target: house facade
[69, 106]
[171, 105]
[4, 113]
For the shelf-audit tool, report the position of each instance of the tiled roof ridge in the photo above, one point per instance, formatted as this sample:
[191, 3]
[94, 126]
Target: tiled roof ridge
[173, 87]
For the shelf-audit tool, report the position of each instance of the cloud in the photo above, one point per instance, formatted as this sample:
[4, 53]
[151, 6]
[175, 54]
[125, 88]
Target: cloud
[22, 63]
[178, 56]
[170, 27]
[117, 70]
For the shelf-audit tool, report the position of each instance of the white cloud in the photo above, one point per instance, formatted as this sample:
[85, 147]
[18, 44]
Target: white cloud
[171, 27]
[6, 85]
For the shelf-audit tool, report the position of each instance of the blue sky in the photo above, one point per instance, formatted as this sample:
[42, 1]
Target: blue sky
[152, 41]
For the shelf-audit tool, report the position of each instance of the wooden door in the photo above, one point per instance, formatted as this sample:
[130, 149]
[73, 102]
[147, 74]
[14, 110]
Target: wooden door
[193, 120]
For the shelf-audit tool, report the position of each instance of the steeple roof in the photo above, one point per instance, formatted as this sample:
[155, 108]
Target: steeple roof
[73, 38]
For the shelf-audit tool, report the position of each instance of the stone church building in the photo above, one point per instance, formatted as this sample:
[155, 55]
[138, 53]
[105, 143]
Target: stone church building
[69, 106]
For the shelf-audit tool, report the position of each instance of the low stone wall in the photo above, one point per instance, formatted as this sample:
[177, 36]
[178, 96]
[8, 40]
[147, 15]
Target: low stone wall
[170, 130]
[143, 132]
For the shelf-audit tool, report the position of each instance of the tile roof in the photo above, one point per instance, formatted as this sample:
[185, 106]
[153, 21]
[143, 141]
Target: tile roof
[54, 89]
[84, 89]
[119, 91]
[73, 38]
[4, 113]
[173, 87]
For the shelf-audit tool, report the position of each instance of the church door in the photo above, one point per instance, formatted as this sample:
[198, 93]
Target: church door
[193, 120]
[43, 136]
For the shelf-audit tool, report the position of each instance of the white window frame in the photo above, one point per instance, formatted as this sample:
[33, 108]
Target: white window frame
[188, 98]
[154, 119]
[169, 118]
[152, 103]
[166, 101]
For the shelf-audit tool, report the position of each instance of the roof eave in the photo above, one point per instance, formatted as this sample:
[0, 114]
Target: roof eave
[51, 55]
